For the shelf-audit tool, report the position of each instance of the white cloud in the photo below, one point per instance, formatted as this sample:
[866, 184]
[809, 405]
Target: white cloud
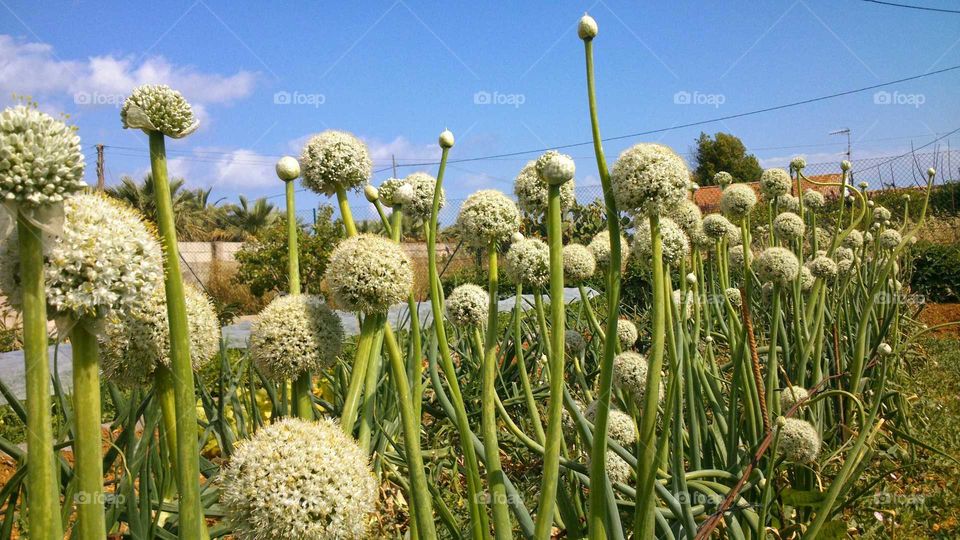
[35, 69]
[244, 168]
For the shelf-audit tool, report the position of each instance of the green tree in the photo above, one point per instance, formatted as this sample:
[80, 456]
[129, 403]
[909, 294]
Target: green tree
[249, 219]
[193, 220]
[724, 152]
[263, 260]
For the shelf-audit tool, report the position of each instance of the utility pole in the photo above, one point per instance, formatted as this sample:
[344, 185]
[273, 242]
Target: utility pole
[844, 131]
[393, 158]
[101, 183]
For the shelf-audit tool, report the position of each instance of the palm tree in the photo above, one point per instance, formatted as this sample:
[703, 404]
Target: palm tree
[249, 219]
[191, 220]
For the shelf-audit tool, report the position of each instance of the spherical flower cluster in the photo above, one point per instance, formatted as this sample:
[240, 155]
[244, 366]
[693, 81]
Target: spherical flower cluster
[649, 178]
[774, 183]
[578, 263]
[295, 480]
[40, 158]
[618, 470]
[600, 247]
[788, 203]
[735, 236]
[676, 246]
[788, 226]
[806, 279]
[335, 160]
[528, 262]
[813, 199]
[288, 168]
[468, 305]
[799, 440]
[488, 216]
[723, 179]
[135, 343]
[823, 267]
[890, 239]
[295, 334]
[575, 344]
[421, 204]
[555, 168]
[620, 426]
[369, 273]
[734, 296]
[792, 395]
[737, 201]
[735, 255]
[716, 226]
[854, 240]
[881, 214]
[778, 265]
[388, 191]
[798, 163]
[531, 191]
[158, 108]
[630, 372]
[627, 333]
[105, 260]
[686, 304]
[687, 215]
[823, 237]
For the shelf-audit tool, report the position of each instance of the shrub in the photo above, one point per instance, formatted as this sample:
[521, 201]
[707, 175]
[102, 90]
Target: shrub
[936, 272]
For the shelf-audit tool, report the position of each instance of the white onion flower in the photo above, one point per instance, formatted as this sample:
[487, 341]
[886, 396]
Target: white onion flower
[774, 183]
[788, 226]
[814, 199]
[789, 203]
[676, 246]
[135, 343]
[737, 201]
[630, 371]
[716, 226]
[578, 263]
[288, 168]
[41, 161]
[488, 216]
[823, 267]
[881, 214]
[723, 179]
[420, 205]
[799, 441]
[620, 426]
[334, 160]
[531, 191]
[854, 240]
[627, 333]
[369, 273]
[734, 296]
[105, 260]
[792, 395]
[528, 262]
[798, 163]
[778, 265]
[574, 342]
[468, 305]
[600, 247]
[687, 215]
[295, 334]
[296, 480]
[555, 168]
[649, 178]
[806, 278]
[617, 468]
[388, 191]
[158, 108]
[890, 239]
[735, 255]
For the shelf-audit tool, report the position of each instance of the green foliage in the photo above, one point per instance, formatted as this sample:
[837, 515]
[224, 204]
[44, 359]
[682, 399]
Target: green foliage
[936, 272]
[263, 261]
[724, 152]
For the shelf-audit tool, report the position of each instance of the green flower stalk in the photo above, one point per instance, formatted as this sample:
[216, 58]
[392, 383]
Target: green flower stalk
[42, 165]
[161, 112]
[288, 169]
[555, 170]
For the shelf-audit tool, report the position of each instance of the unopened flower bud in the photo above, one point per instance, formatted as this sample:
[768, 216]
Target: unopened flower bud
[691, 278]
[371, 193]
[446, 139]
[288, 168]
[587, 29]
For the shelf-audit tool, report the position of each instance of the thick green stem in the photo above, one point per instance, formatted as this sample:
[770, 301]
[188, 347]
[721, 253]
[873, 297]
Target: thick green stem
[348, 416]
[345, 214]
[43, 488]
[551, 455]
[501, 512]
[598, 471]
[302, 401]
[644, 519]
[191, 524]
[411, 440]
[522, 365]
[87, 437]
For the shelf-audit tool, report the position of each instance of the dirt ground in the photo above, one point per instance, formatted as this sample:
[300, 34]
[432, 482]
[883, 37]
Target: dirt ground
[935, 314]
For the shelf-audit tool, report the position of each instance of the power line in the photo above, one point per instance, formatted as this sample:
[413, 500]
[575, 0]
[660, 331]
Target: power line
[907, 6]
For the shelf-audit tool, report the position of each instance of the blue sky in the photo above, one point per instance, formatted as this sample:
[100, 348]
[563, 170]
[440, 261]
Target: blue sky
[503, 77]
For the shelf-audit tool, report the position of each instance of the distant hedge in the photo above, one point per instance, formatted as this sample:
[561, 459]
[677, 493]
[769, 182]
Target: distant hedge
[936, 272]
